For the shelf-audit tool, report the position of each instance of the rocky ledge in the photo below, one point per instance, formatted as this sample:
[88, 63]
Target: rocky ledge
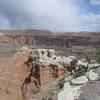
[32, 72]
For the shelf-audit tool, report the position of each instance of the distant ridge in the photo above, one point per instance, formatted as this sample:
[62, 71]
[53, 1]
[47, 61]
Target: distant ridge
[81, 33]
[46, 32]
[24, 32]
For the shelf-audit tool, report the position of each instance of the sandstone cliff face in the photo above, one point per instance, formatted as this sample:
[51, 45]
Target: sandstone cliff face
[33, 40]
[20, 40]
[26, 40]
[4, 38]
[75, 38]
[39, 77]
[66, 44]
[21, 80]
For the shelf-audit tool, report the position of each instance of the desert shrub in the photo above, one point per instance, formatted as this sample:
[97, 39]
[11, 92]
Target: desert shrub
[98, 56]
[50, 98]
[61, 83]
[80, 72]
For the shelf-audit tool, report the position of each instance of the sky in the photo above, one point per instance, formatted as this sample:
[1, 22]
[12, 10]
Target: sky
[53, 15]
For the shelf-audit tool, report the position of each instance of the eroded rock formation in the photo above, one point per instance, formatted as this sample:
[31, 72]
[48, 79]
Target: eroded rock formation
[20, 40]
[31, 70]
[66, 39]
[41, 73]
[25, 75]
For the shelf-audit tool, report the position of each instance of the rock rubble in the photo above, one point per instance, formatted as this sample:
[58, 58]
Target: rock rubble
[83, 73]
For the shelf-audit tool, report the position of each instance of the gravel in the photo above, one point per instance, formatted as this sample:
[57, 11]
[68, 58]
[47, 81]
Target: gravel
[91, 91]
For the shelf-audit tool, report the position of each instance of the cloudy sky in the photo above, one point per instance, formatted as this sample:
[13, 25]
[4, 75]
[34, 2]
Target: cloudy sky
[53, 15]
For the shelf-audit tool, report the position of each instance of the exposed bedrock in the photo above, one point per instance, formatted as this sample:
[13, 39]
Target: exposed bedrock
[40, 74]
[31, 71]
[25, 76]
[17, 40]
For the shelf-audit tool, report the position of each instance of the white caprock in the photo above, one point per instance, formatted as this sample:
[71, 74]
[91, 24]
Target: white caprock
[69, 92]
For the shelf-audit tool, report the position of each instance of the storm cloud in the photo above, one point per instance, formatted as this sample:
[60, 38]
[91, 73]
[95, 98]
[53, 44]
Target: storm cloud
[53, 15]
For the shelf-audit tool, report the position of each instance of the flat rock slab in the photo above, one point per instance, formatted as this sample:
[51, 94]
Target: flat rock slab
[80, 80]
[92, 75]
[66, 86]
[71, 93]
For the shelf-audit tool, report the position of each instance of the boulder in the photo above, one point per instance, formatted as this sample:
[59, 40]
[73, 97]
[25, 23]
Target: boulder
[23, 49]
[69, 78]
[66, 85]
[92, 75]
[79, 80]
[72, 57]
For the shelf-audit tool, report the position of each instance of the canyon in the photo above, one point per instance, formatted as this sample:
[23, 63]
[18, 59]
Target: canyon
[31, 71]
[36, 37]
[24, 77]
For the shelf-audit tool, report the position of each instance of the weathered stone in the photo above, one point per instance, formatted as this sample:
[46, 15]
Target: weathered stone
[92, 75]
[69, 78]
[66, 85]
[80, 80]
[23, 49]
[69, 92]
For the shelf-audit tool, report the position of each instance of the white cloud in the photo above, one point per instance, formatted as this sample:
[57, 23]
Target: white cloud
[91, 18]
[54, 15]
[95, 2]
[4, 23]
[91, 22]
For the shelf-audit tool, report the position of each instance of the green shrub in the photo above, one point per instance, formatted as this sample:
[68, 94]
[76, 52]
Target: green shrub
[98, 56]
[50, 98]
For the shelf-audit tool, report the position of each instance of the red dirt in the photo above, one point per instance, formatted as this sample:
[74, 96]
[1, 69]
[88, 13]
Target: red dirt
[12, 77]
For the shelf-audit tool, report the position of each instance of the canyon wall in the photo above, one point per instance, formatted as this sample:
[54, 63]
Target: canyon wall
[20, 40]
[21, 80]
[39, 37]
[36, 40]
